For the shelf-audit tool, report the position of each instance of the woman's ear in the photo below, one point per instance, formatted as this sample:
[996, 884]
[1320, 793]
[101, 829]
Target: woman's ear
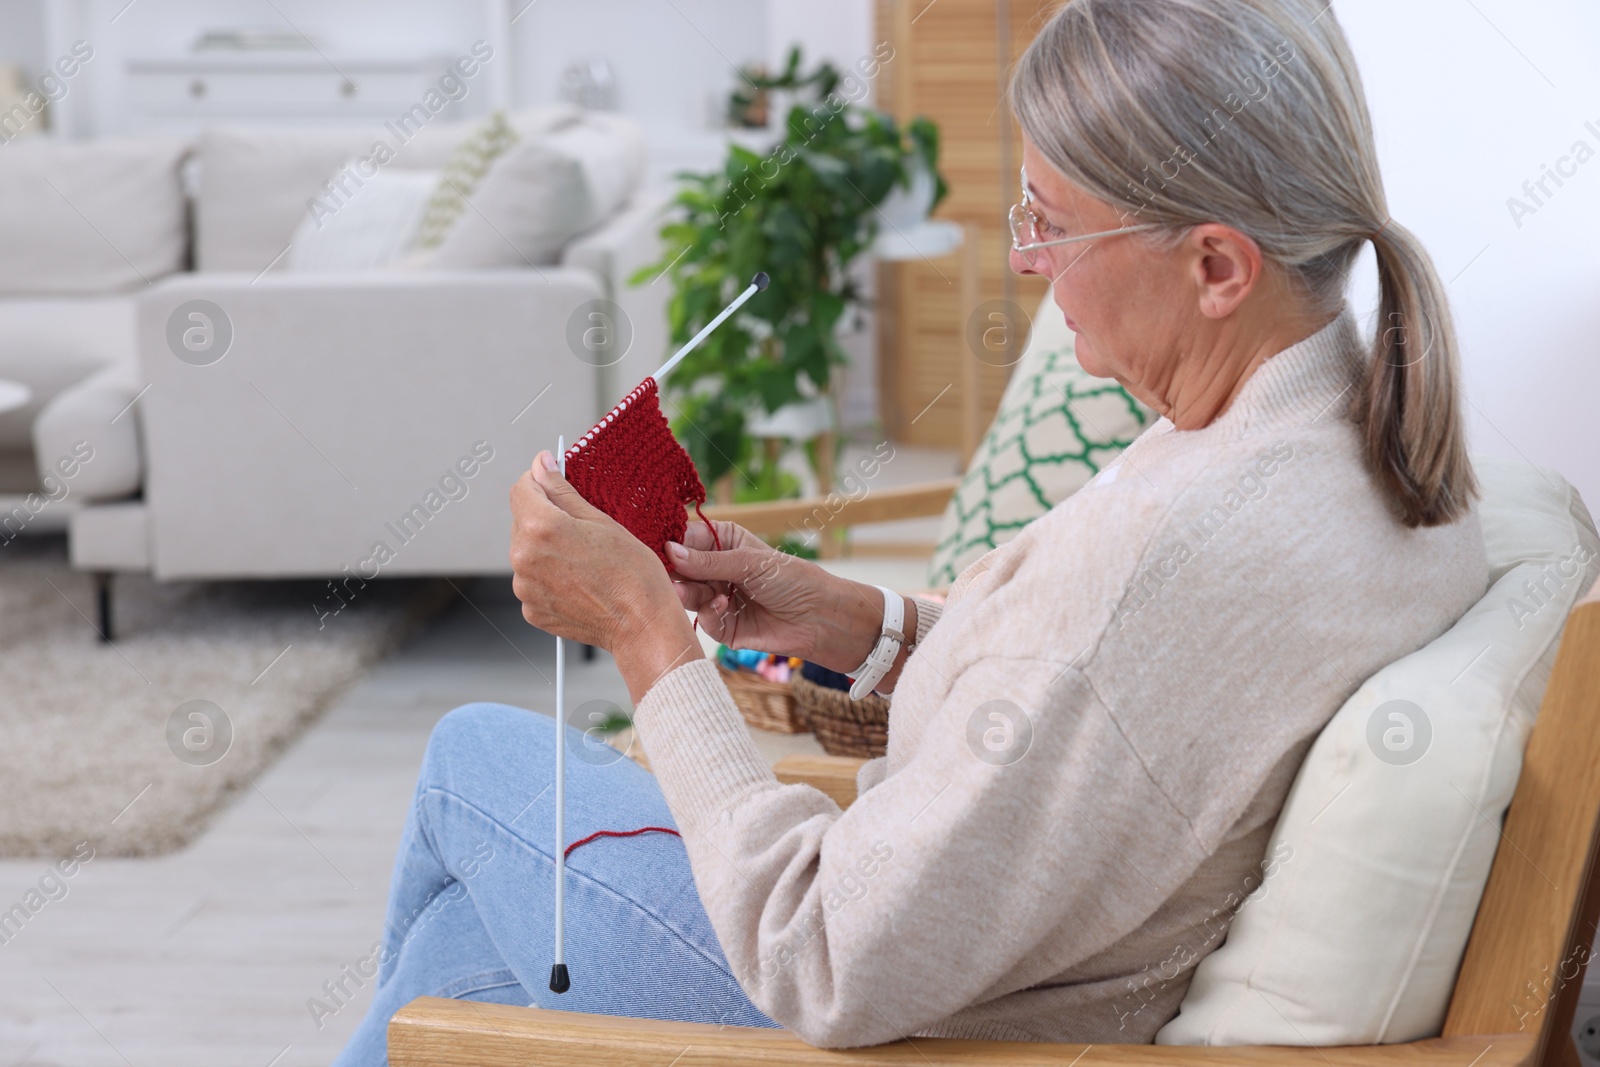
[1225, 265]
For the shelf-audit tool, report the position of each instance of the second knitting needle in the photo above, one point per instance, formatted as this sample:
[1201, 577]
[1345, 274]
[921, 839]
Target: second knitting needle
[559, 981]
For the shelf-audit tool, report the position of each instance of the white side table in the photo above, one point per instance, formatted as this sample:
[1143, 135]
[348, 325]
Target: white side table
[13, 395]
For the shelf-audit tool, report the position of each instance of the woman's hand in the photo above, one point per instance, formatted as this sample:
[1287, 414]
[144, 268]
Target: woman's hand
[750, 595]
[581, 575]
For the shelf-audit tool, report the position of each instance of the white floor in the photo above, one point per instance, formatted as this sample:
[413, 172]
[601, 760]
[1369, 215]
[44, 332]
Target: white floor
[207, 957]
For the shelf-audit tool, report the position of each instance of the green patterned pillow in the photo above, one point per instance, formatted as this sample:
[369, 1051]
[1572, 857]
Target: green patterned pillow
[1056, 428]
[468, 163]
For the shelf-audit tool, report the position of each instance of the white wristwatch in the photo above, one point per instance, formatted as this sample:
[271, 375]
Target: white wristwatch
[883, 654]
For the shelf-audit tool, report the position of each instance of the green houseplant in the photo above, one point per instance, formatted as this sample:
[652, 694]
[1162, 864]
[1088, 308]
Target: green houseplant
[803, 212]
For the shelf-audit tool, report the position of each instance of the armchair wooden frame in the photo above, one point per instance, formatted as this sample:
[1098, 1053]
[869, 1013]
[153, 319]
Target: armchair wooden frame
[819, 513]
[1513, 1004]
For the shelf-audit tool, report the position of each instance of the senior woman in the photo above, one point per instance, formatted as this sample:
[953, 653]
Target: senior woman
[1091, 739]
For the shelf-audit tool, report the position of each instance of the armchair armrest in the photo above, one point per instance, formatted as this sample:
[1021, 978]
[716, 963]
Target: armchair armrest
[833, 775]
[430, 1032]
[881, 505]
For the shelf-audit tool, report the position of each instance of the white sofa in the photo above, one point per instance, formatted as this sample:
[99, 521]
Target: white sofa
[347, 407]
[82, 228]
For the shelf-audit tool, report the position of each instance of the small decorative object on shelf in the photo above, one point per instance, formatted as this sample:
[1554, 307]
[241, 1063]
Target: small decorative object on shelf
[748, 107]
[844, 727]
[590, 84]
[254, 39]
[759, 682]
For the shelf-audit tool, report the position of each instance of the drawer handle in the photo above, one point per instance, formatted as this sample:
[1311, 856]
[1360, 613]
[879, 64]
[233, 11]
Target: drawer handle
[197, 88]
[347, 89]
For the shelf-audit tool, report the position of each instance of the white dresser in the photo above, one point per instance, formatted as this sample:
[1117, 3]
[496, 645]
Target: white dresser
[180, 94]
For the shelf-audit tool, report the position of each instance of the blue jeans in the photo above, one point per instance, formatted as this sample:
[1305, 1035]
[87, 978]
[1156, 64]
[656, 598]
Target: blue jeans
[470, 908]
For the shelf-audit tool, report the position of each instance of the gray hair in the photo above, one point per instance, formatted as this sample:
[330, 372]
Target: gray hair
[1251, 113]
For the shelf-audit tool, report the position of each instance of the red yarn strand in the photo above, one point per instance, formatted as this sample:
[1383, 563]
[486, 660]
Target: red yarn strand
[715, 540]
[621, 833]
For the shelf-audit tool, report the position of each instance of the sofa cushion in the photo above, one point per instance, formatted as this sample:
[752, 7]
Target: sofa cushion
[50, 344]
[1384, 844]
[90, 217]
[461, 174]
[544, 192]
[1056, 427]
[256, 183]
[370, 230]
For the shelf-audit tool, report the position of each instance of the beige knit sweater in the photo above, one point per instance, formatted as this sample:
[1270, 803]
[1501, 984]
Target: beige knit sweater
[1090, 746]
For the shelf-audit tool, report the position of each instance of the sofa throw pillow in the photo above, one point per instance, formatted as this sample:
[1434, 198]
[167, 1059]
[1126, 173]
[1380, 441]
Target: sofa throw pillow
[370, 229]
[545, 191]
[1057, 426]
[461, 174]
[258, 183]
[1382, 850]
[90, 216]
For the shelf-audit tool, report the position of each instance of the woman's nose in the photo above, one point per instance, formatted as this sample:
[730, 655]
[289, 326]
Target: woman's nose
[1020, 265]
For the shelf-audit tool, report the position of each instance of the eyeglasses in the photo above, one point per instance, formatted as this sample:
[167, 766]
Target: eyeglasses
[1029, 232]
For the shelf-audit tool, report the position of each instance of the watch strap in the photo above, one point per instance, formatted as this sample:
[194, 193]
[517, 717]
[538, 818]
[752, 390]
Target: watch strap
[881, 659]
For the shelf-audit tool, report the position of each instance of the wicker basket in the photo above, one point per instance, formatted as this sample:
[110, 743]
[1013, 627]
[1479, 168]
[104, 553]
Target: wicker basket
[765, 705]
[844, 727]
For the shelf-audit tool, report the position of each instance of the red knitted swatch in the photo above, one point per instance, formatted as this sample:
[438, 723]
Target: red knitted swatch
[633, 469]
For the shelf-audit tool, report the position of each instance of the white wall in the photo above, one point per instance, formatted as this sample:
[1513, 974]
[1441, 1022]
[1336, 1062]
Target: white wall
[1467, 107]
[22, 34]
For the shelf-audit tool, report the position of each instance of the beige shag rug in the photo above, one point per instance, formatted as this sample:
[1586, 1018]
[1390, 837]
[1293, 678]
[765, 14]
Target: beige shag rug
[133, 746]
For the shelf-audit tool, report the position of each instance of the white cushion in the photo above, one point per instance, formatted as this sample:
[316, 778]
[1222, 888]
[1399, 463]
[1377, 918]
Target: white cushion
[544, 192]
[90, 217]
[368, 230]
[50, 344]
[1379, 863]
[431, 147]
[254, 188]
[256, 183]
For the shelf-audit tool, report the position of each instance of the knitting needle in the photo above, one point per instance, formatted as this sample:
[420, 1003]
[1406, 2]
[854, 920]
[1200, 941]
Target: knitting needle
[758, 283]
[559, 982]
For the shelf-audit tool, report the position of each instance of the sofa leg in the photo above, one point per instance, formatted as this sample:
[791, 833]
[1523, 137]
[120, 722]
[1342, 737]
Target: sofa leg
[102, 592]
[588, 653]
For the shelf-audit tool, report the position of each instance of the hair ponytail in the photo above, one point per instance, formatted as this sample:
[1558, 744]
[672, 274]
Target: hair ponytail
[1409, 409]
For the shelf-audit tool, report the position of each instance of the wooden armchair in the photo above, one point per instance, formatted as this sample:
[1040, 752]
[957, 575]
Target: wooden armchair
[772, 518]
[1529, 943]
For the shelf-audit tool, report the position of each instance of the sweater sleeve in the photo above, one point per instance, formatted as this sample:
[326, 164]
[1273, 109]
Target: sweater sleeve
[928, 612]
[1023, 819]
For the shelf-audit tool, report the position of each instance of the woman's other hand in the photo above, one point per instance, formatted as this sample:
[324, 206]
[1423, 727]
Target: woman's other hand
[750, 595]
